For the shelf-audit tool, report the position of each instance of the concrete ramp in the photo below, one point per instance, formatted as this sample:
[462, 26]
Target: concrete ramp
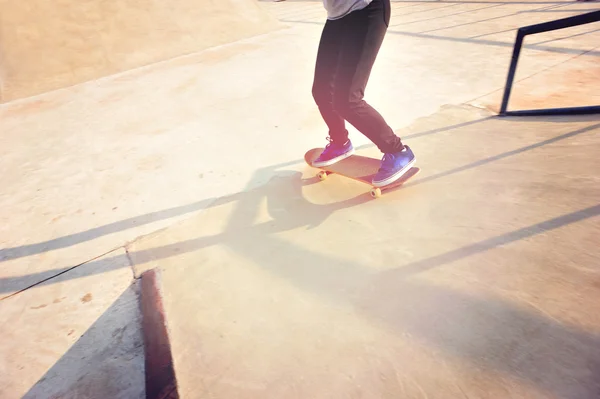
[479, 278]
[50, 45]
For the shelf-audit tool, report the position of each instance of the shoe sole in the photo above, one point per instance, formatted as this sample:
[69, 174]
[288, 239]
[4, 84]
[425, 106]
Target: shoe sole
[334, 160]
[395, 176]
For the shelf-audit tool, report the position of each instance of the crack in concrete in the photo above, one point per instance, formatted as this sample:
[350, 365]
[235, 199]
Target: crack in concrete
[63, 272]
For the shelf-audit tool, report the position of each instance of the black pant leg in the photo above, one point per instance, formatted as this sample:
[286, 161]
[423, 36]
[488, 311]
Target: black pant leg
[363, 31]
[330, 47]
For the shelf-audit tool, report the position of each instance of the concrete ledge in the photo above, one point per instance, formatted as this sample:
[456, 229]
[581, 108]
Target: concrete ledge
[298, 289]
[64, 43]
[160, 374]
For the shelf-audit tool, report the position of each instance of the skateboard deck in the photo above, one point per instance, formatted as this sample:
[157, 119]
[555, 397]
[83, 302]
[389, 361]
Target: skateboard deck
[358, 168]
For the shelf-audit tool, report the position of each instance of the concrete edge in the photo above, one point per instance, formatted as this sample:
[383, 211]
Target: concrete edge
[161, 382]
[142, 68]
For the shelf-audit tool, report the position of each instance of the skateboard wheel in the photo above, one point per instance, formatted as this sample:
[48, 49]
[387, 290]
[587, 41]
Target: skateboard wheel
[322, 175]
[376, 193]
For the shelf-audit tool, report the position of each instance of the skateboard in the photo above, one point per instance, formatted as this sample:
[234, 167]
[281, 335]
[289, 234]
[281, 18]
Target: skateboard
[358, 168]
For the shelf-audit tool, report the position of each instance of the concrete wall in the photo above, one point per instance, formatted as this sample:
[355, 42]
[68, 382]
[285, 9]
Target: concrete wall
[47, 45]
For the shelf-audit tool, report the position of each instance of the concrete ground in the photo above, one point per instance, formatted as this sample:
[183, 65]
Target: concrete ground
[88, 169]
[480, 278]
[65, 42]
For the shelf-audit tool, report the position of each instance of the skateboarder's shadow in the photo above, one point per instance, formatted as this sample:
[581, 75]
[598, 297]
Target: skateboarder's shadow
[288, 205]
[251, 219]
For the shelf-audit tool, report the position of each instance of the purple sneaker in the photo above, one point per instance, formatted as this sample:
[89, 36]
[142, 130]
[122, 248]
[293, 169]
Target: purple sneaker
[333, 153]
[393, 167]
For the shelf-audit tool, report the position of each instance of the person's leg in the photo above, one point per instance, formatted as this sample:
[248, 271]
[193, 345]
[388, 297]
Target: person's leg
[328, 54]
[364, 31]
[363, 36]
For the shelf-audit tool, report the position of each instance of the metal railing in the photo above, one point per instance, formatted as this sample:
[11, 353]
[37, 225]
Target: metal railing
[577, 20]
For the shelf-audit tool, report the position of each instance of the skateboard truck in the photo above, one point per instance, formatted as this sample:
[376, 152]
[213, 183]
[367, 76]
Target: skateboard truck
[375, 192]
